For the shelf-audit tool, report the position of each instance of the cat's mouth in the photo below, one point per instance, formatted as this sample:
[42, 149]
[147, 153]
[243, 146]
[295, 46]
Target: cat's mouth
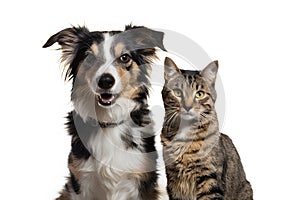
[187, 116]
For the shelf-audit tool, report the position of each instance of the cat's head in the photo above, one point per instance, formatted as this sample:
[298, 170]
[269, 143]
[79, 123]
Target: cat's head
[189, 95]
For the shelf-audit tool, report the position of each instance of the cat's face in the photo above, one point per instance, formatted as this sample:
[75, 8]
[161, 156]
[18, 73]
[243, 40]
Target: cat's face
[189, 95]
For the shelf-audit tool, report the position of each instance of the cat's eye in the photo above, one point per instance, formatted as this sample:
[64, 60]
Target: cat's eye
[125, 58]
[200, 94]
[177, 92]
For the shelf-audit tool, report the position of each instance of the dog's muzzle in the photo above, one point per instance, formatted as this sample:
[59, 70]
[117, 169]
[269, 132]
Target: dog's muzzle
[106, 81]
[107, 99]
[106, 96]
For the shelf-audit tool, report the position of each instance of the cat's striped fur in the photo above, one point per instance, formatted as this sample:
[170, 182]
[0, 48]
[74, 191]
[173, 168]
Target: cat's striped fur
[201, 163]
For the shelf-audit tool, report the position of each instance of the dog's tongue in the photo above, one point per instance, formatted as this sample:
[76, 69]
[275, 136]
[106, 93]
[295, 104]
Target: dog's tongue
[106, 97]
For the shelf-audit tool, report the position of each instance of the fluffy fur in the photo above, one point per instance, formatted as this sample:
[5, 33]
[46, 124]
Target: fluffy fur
[113, 156]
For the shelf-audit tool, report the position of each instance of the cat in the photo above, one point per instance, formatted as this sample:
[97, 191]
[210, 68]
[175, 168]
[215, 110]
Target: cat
[201, 163]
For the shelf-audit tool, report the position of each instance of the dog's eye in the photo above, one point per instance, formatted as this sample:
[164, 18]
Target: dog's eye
[125, 58]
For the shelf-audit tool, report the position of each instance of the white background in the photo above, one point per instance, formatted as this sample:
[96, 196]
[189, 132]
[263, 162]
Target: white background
[257, 44]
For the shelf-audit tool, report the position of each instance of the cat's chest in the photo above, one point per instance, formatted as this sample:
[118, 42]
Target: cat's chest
[184, 180]
[183, 153]
[184, 168]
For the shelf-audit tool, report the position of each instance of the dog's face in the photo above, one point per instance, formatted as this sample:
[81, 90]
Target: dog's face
[109, 69]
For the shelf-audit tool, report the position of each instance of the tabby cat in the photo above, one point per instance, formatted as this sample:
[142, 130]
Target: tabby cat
[201, 163]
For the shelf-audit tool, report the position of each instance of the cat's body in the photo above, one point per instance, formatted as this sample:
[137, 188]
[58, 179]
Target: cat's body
[201, 163]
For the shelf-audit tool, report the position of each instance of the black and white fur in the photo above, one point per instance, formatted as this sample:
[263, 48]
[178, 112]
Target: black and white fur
[113, 156]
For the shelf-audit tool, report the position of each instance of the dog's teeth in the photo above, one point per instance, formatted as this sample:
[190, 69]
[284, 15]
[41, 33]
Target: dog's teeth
[106, 99]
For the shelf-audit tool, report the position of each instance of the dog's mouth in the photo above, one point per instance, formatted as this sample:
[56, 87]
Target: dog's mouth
[107, 99]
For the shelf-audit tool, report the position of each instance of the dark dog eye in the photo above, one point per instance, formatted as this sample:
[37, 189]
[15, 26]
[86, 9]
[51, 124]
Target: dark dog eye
[125, 58]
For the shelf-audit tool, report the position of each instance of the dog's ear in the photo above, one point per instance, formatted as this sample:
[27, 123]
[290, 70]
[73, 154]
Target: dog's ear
[69, 39]
[74, 43]
[145, 37]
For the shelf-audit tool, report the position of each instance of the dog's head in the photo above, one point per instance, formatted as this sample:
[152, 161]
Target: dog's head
[109, 70]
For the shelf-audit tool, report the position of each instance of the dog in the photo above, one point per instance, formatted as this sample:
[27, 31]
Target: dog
[112, 156]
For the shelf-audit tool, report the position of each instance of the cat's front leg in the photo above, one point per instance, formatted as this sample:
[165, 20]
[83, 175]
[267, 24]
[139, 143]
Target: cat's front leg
[173, 198]
[171, 195]
[209, 189]
[210, 198]
[213, 196]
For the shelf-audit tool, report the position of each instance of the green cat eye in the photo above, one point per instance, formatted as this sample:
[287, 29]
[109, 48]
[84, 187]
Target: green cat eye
[200, 94]
[177, 92]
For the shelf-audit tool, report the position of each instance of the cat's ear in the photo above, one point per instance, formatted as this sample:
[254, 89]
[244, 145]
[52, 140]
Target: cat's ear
[210, 71]
[171, 68]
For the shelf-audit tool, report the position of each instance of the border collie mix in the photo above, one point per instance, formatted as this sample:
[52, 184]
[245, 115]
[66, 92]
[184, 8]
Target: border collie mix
[113, 156]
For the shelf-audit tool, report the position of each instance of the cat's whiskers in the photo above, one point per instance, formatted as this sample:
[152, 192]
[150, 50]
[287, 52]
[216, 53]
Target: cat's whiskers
[171, 117]
[171, 106]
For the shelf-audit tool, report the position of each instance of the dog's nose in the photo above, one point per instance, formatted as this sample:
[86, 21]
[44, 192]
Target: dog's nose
[106, 81]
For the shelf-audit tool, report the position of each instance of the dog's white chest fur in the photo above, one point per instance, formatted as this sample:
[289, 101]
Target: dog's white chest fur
[100, 182]
[110, 173]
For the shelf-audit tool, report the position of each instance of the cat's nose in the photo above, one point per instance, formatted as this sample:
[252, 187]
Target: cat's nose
[187, 108]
